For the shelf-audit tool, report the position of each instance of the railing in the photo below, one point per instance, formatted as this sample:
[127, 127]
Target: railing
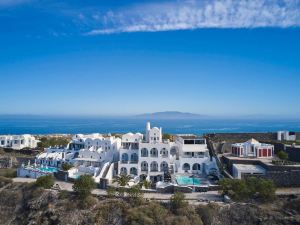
[154, 169]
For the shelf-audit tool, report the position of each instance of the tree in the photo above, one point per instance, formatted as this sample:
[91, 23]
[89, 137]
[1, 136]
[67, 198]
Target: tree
[282, 155]
[46, 181]
[66, 166]
[122, 180]
[177, 201]
[84, 185]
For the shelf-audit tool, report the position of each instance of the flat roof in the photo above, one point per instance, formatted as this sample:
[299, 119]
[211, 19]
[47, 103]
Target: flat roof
[189, 136]
[249, 167]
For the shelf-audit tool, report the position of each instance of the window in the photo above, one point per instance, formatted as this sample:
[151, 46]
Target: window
[189, 142]
[144, 152]
[199, 142]
[153, 152]
[186, 167]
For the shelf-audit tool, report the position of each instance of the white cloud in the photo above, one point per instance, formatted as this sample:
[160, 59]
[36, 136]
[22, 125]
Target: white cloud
[184, 15]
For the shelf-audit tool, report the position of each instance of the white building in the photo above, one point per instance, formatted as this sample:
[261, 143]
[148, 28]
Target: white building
[239, 170]
[18, 141]
[193, 155]
[128, 163]
[89, 154]
[252, 148]
[286, 136]
[152, 156]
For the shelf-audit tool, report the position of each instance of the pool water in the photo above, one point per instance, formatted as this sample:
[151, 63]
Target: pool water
[186, 180]
[48, 169]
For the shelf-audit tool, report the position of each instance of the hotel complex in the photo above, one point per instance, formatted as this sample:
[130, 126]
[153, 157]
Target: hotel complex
[147, 156]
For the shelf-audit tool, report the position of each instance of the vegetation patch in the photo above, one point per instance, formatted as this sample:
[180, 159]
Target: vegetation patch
[251, 188]
[46, 181]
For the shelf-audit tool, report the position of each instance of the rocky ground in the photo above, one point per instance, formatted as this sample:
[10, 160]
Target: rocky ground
[26, 204]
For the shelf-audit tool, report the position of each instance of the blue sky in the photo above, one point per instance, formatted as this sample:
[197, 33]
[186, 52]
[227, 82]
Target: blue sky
[130, 57]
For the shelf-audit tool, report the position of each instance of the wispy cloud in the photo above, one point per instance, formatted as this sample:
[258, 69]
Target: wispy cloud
[188, 15]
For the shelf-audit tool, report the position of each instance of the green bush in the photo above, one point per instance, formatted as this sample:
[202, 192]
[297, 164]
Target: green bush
[84, 185]
[177, 201]
[46, 181]
[250, 188]
[282, 155]
[66, 166]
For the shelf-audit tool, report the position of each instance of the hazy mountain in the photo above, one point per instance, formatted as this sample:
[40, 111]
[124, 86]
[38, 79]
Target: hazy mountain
[170, 115]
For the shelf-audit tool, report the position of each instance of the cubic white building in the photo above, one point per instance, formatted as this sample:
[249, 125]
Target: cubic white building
[18, 141]
[89, 154]
[239, 170]
[252, 148]
[151, 157]
[286, 136]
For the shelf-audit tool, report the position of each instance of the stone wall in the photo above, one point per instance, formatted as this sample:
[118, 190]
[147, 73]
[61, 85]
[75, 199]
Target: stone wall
[242, 137]
[294, 154]
[282, 176]
[6, 162]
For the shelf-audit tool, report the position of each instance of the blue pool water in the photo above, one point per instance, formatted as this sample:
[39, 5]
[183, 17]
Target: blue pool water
[48, 169]
[186, 180]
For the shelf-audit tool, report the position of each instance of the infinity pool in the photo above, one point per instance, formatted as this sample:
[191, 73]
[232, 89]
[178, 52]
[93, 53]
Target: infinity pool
[186, 180]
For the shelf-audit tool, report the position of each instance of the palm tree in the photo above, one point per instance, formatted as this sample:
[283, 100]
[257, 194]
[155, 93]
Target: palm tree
[122, 180]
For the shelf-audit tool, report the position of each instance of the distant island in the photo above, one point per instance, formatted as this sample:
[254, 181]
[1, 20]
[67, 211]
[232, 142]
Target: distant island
[170, 115]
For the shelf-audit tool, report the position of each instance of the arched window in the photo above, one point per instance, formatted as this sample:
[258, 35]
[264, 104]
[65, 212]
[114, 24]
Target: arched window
[164, 166]
[123, 171]
[186, 167]
[154, 166]
[144, 152]
[196, 166]
[124, 157]
[153, 152]
[133, 171]
[134, 158]
[144, 166]
[164, 152]
[173, 151]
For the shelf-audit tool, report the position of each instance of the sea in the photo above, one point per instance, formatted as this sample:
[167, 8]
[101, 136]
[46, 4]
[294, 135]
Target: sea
[71, 125]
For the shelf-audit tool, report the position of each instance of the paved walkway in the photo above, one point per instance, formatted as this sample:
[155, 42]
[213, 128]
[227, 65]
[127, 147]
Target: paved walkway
[196, 196]
[191, 197]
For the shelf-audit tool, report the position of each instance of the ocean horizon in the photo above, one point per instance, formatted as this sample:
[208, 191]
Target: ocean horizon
[72, 125]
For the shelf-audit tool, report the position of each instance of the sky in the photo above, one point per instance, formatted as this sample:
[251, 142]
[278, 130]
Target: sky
[126, 57]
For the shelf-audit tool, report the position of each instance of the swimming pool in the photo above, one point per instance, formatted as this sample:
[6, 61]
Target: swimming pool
[186, 180]
[47, 169]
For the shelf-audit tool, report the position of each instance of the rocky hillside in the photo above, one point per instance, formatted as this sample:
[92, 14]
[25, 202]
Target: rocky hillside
[26, 204]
